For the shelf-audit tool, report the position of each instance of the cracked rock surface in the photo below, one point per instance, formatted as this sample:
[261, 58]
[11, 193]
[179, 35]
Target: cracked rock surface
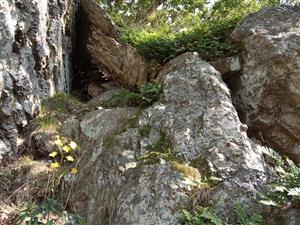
[131, 177]
[36, 40]
[267, 93]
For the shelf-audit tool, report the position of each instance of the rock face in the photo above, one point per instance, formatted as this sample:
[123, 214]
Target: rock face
[118, 60]
[35, 59]
[268, 93]
[139, 166]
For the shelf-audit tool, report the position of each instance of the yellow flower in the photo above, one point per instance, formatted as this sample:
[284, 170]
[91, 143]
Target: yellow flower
[53, 154]
[67, 149]
[54, 165]
[74, 170]
[58, 142]
[70, 158]
[73, 145]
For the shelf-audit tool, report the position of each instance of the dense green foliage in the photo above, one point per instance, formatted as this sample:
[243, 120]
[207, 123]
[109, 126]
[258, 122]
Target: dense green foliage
[161, 30]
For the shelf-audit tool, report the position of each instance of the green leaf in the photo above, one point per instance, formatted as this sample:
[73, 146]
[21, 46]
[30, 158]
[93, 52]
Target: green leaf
[211, 216]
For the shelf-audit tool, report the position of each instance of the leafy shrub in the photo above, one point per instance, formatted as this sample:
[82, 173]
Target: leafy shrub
[161, 30]
[287, 187]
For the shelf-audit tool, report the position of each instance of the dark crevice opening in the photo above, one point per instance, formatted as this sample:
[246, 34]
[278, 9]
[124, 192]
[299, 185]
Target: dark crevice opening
[232, 79]
[84, 70]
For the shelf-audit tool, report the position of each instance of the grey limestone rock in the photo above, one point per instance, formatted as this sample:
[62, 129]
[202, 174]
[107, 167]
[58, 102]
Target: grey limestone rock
[125, 181]
[36, 40]
[267, 93]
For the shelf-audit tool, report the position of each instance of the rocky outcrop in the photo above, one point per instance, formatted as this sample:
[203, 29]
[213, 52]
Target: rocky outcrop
[139, 167]
[119, 60]
[267, 93]
[35, 60]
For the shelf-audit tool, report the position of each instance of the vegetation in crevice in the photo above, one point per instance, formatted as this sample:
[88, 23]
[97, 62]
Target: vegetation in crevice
[47, 122]
[162, 149]
[109, 141]
[186, 170]
[60, 103]
[144, 96]
[145, 131]
[202, 165]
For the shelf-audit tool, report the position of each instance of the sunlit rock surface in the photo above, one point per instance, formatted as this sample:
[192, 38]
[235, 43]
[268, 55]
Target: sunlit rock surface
[36, 40]
[132, 170]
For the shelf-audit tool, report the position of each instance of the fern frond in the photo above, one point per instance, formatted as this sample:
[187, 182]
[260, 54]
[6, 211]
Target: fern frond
[295, 192]
[187, 215]
[274, 155]
[295, 169]
[211, 216]
[244, 218]
[240, 213]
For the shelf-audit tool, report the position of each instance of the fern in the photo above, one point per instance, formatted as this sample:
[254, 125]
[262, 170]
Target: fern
[274, 155]
[208, 216]
[295, 192]
[211, 216]
[287, 187]
[187, 215]
[244, 218]
[205, 216]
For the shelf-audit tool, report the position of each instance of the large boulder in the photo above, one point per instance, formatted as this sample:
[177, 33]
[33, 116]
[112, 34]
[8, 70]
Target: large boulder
[35, 60]
[267, 93]
[139, 167]
[117, 59]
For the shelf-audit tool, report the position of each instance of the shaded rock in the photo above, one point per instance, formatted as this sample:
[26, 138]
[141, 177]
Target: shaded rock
[292, 216]
[227, 65]
[128, 175]
[35, 59]
[105, 98]
[71, 128]
[105, 122]
[267, 93]
[119, 60]
[39, 144]
[97, 88]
